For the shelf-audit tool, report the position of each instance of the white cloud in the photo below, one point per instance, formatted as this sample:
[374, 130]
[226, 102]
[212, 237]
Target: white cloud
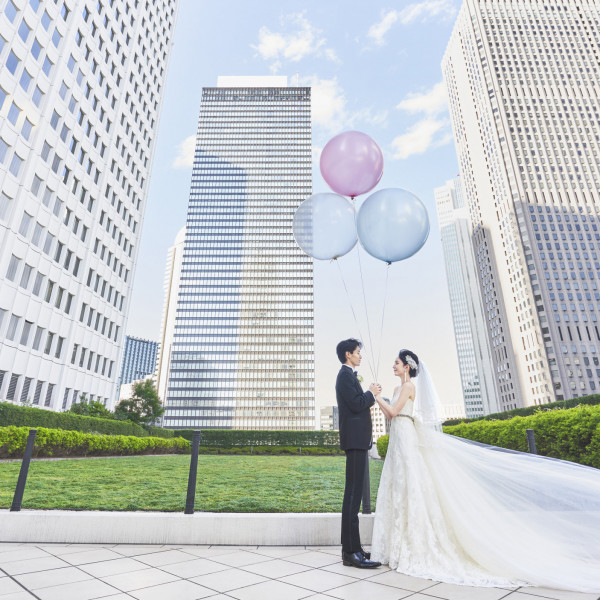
[423, 11]
[329, 107]
[431, 102]
[419, 138]
[378, 30]
[185, 156]
[293, 46]
[432, 131]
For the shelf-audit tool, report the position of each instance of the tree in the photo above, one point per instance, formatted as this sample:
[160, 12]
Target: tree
[144, 407]
[91, 409]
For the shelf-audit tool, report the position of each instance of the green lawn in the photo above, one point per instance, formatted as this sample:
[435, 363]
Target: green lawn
[225, 483]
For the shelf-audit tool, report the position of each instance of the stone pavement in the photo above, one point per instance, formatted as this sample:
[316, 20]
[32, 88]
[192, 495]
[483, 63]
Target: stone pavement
[121, 572]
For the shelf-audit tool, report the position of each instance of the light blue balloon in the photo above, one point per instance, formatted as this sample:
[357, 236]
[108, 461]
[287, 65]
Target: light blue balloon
[392, 224]
[325, 226]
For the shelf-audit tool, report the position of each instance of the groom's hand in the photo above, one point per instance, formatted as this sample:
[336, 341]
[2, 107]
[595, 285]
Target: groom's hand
[375, 389]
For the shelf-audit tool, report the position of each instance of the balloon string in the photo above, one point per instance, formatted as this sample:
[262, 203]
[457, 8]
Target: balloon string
[352, 309]
[362, 281]
[387, 275]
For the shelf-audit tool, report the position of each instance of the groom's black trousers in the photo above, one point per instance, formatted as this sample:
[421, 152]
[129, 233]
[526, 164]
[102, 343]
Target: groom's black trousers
[356, 463]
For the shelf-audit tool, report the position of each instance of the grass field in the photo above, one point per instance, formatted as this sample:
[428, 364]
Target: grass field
[225, 483]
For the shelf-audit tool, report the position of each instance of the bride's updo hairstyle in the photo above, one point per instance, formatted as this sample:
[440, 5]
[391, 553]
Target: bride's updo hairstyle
[411, 359]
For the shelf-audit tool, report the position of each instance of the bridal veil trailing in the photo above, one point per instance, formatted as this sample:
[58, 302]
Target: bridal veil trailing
[462, 513]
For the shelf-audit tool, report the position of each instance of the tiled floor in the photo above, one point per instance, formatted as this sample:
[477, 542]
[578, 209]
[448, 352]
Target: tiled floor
[119, 572]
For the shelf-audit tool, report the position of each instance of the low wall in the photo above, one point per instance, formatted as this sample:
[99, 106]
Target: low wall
[237, 529]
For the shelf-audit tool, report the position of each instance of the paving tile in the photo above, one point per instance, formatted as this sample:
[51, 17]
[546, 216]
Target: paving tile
[270, 590]
[35, 564]
[274, 569]
[126, 582]
[228, 580]
[318, 581]
[62, 549]
[19, 596]
[280, 551]
[178, 590]
[21, 554]
[450, 591]
[240, 559]
[366, 589]
[338, 567]
[209, 552]
[90, 556]
[80, 590]
[165, 557]
[33, 581]
[405, 582]
[194, 568]
[134, 549]
[113, 567]
[556, 594]
[315, 559]
[118, 597]
[8, 586]
[334, 550]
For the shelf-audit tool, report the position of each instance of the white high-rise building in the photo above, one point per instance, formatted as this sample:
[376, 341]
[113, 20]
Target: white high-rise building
[522, 82]
[243, 344]
[81, 84]
[474, 357]
[171, 289]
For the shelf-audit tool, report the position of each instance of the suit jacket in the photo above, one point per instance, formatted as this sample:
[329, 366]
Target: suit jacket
[354, 411]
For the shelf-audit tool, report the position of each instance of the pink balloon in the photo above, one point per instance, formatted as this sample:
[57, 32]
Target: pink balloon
[351, 163]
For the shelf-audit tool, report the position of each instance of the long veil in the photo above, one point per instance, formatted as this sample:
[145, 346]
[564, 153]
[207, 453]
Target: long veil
[521, 516]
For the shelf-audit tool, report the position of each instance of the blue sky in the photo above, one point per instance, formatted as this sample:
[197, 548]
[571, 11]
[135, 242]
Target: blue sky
[373, 67]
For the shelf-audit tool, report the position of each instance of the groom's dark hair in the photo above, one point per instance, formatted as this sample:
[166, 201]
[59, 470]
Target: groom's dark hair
[344, 346]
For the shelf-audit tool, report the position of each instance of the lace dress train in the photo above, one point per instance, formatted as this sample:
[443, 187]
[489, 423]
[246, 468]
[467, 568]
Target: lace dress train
[458, 513]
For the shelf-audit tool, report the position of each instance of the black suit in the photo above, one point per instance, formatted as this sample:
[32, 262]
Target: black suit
[356, 439]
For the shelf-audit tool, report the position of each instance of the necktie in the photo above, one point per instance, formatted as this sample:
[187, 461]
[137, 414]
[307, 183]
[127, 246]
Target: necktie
[356, 374]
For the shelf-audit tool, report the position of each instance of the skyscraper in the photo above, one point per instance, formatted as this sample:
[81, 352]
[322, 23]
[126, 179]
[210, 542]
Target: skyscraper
[139, 359]
[242, 355]
[522, 81]
[167, 330]
[474, 358]
[81, 84]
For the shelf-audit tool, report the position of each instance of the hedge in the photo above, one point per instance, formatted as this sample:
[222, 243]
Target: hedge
[232, 438]
[273, 450]
[25, 416]
[569, 434]
[591, 400]
[58, 442]
[382, 445]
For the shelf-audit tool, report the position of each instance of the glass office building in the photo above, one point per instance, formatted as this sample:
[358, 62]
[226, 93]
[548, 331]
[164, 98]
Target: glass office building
[139, 359]
[243, 350]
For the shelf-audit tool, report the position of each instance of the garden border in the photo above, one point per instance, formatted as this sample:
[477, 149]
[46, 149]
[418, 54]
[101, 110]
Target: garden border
[235, 529]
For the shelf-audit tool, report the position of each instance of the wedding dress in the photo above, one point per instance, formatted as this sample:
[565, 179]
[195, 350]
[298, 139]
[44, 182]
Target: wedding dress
[460, 513]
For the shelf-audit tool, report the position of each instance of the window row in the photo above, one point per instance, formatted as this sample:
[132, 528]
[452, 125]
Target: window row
[103, 325]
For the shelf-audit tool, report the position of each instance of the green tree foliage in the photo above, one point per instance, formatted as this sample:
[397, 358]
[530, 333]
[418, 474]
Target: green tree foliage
[144, 407]
[91, 409]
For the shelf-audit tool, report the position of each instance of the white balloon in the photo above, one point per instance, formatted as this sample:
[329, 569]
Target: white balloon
[325, 226]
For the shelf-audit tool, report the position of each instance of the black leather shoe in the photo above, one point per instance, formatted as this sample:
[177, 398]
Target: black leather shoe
[366, 554]
[357, 559]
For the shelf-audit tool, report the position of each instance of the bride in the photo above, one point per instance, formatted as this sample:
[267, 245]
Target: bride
[461, 513]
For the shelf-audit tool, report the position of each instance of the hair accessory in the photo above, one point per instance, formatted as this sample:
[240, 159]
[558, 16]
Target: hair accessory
[410, 362]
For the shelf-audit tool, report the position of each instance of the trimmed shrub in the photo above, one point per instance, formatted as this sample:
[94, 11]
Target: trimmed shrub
[25, 416]
[159, 432]
[382, 445]
[591, 400]
[273, 450]
[569, 434]
[232, 438]
[57, 442]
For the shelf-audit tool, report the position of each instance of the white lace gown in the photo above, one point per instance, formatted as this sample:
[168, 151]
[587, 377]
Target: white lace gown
[458, 513]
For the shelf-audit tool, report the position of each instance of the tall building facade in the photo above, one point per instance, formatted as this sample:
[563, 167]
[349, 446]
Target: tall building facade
[243, 351]
[522, 83]
[139, 359]
[81, 84]
[171, 289]
[468, 315]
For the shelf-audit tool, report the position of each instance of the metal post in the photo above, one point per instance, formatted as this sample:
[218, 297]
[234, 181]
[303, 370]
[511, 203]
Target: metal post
[191, 491]
[18, 497]
[531, 441]
[366, 499]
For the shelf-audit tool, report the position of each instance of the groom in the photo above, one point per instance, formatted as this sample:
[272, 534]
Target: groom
[355, 439]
